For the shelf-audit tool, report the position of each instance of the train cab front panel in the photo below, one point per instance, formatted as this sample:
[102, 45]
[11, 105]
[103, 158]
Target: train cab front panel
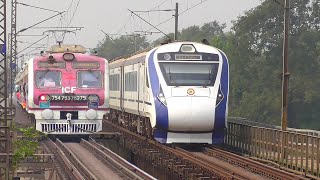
[186, 85]
[69, 93]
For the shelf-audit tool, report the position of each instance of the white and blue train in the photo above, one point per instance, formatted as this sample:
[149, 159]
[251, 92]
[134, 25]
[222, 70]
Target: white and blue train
[177, 93]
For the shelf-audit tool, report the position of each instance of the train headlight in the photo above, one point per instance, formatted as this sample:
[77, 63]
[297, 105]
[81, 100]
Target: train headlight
[91, 114]
[161, 97]
[188, 48]
[167, 57]
[51, 59]
[44, 97]
[219, 97]
[47, 114]
[93, 98]
[68, 56]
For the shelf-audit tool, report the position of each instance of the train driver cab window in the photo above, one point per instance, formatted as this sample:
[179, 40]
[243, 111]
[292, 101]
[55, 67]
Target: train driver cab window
[189, 74]
[48, 79]
[89, 79]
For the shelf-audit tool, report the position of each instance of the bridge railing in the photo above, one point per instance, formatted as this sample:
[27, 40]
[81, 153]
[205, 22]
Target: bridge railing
[299, 151]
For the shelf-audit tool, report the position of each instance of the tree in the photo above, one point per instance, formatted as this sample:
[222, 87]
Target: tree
[124, 45]
[258, 37]
[197, 33]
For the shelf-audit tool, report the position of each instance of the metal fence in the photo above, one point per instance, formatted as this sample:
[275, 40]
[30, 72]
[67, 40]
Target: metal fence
[299, 151]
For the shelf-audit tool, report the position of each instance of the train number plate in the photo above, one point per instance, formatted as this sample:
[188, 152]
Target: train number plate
[67, 98]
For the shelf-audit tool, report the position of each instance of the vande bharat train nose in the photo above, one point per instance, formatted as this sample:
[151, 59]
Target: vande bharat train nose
[193, 114]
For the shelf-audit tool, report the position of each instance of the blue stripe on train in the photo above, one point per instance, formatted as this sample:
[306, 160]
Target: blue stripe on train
[162, 121]
[220, 114]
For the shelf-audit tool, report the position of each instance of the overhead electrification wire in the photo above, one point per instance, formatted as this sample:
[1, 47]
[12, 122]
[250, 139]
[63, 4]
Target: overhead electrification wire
[64, 15]
[63, 18]
[124, 24]
[74, 13]
[150, 24]
[202, 1]
[24, 29]
[152, 9]
[28, 5]
[158, 5]
[106, 34]
[161, 23]
[156, 10]
[32, 35]
[62, 36]
[32, 44]
[69, 6]
[36, 48]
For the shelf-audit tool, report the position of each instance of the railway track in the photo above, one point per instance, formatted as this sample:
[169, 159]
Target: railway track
[90, 160]
[197, 165]
[251, 165]
[224, 169]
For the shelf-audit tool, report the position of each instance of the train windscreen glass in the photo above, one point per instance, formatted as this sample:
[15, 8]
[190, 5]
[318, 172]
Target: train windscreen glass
[48, 79]
[189, 74]
[89, 79]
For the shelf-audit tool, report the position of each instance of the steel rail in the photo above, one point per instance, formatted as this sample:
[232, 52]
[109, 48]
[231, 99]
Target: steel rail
[212, 165]
[251, 165]
[79, 165]
[63, 159]
[121, 165]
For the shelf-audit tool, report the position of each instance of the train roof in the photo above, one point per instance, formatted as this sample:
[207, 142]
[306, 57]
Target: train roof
[129, 56]
[61, 48]
[143, 51]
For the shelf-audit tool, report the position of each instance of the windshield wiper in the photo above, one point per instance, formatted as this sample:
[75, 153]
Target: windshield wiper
[172, 80]
[47, 70]
[91, 72]
[208, 80]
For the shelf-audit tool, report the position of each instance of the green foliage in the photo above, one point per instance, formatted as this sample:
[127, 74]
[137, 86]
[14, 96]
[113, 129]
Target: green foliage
[197, 33]
[26, 146]
[124, 45]
[256, 64]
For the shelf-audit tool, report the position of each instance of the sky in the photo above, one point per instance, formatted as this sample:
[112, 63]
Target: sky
[113, 17]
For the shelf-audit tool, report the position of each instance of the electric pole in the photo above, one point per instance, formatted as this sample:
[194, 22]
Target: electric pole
[13, 46]
[4, 108]
[285, 73]
[176, 23]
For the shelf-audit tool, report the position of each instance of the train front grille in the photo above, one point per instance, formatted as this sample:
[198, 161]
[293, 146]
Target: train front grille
[66, 128]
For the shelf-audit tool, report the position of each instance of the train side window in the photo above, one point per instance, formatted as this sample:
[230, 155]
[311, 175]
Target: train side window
[131, 81]
[147, 79]
[126, 80]
[114, 82]
[134, 77]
